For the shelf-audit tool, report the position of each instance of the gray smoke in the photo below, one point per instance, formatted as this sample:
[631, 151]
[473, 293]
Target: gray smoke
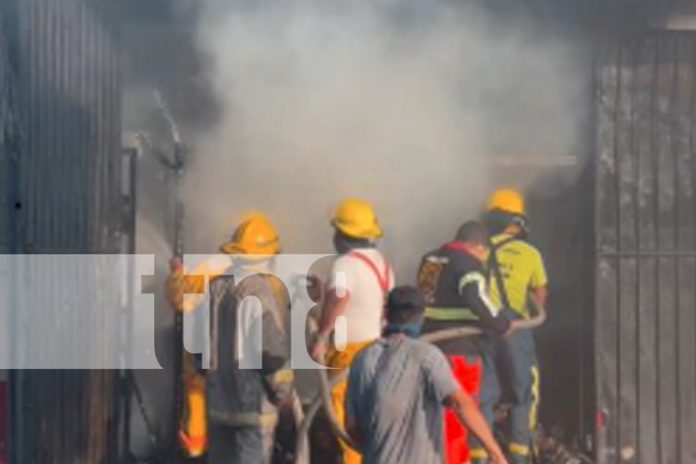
[402, 103]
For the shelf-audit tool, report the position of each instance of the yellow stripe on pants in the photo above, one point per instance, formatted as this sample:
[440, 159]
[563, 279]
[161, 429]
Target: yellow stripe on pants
[340, 360]
[536, 393]
[518, 449]
[193, 431]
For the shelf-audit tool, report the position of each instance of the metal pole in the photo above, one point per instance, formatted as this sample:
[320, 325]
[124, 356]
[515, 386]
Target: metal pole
[177, 168]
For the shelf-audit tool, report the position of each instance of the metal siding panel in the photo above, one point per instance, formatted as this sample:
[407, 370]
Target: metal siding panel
[70, 161]
[607, 95]
[686, 368]
[647, 353]
[667, 276]
[77, 133]
[7, 129]
[628, 266]
[689, 320]
[686, 240]
[605, 358]
[627, 354]
[646, 231]
[644, 96]
[607, 279]
[5, 209]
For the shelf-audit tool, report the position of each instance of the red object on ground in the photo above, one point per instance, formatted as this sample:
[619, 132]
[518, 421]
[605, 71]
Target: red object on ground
[469, 375]
[3, 422]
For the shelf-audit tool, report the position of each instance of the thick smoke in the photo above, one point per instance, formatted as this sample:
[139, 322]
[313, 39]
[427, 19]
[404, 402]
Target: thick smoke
[405, 104]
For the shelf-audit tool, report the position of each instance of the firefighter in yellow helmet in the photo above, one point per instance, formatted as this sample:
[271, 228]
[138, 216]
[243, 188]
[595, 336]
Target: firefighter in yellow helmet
[239, 399]
[516, 273]
[360, 279]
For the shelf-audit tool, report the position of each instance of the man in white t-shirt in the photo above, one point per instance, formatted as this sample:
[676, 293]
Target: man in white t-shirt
[353, 309]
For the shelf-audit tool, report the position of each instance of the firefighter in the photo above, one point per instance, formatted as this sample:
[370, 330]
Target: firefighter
[452, 278]
[516, 271]
[360, 279]
[239, 398]
[185, 294]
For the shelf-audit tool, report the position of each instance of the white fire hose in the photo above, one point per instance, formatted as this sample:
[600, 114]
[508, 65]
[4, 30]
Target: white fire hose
[326, 384]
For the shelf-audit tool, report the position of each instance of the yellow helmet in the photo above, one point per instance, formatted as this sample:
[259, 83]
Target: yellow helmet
[507, 200]
[357, 219]
[255, 235]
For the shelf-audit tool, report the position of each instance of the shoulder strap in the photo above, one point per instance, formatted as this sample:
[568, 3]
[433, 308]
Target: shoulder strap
[494, 267]
[382, 278]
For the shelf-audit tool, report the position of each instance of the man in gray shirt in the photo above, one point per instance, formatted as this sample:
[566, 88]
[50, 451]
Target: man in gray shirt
[398, 388]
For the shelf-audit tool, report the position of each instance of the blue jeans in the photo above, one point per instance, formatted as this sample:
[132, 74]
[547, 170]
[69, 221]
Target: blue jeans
[509, 365]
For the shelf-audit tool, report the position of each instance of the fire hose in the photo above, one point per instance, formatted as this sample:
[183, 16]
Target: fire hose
[323, 398]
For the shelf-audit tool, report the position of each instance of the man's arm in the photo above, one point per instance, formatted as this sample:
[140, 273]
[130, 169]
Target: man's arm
[539, 282]
[185, 291]
[472, 288]
[333, 307]
[541, 295]
[469, 415]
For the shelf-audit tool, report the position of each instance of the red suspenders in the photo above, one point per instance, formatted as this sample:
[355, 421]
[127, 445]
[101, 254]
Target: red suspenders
[382, 278]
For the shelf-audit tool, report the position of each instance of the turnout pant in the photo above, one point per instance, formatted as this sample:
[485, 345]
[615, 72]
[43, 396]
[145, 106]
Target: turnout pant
[193, 435]
[509, 365]
[340, 360]
[468, 371]
[235, 445]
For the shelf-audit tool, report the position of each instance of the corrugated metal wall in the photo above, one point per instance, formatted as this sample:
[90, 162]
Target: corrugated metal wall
[645, 320]
[8, 126]
[69, 75]
[68, 201]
